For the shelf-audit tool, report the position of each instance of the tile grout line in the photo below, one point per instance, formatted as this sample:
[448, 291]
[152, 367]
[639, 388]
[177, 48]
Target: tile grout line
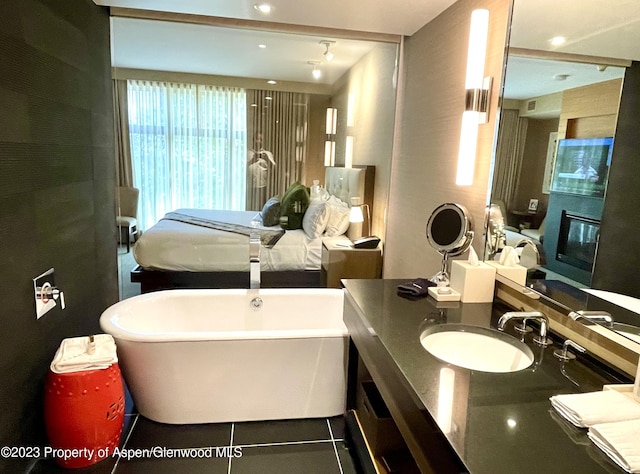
[233, 425]
[284, 443]
[124, 445]
[335, 448]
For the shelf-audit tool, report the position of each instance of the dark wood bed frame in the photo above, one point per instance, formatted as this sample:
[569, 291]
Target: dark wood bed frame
[154, 280]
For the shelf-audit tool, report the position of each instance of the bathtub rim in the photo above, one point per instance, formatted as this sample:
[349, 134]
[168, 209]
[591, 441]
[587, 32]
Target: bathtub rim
[109, 319]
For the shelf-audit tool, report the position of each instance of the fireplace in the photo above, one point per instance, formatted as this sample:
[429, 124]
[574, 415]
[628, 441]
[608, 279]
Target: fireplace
[578, 240]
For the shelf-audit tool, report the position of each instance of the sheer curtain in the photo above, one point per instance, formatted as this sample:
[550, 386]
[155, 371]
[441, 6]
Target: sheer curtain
[188, 147]
[509, 154]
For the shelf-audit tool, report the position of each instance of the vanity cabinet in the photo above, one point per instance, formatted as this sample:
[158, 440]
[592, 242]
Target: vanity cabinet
[455, 420]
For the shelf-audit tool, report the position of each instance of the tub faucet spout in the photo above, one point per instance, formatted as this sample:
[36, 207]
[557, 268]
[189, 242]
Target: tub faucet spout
[254, 261]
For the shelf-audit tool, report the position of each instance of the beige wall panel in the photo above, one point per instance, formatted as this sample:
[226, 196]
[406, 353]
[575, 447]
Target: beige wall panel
[432, 103]
[372, 121]
[593, 100]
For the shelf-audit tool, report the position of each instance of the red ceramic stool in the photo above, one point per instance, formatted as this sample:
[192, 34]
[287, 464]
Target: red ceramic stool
[84, 411]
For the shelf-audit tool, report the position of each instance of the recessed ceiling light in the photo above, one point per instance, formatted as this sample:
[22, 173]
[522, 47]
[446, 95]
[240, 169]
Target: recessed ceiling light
[558, 40]
[264, 8]
[561, 77]
[271, 81]
[262, 46]
[254, 105]
[268, 98]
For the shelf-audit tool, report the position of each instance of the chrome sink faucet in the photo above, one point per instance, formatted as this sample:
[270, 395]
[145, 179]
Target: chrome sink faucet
[595, 316]
[540, 339]
[254, 261]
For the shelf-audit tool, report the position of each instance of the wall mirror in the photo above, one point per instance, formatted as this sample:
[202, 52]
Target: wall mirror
[268, 65]
[556, 147]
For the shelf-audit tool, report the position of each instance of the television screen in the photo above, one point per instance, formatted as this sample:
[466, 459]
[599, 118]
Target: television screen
[582, 166]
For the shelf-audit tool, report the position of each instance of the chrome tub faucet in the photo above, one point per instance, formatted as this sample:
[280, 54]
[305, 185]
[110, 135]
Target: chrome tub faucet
[254, 261]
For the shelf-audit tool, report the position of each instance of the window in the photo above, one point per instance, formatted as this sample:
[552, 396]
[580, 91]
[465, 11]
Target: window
[188, 147]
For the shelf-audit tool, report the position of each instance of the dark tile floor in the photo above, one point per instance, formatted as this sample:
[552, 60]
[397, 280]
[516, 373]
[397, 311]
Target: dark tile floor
[283, 446]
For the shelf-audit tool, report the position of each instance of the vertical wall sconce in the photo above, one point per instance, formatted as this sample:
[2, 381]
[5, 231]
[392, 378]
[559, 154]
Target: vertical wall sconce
[330, 143]
[332, 121]
[348, 151]
[477, 96]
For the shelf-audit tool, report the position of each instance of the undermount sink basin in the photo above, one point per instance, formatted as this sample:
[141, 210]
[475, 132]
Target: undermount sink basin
[476, 348]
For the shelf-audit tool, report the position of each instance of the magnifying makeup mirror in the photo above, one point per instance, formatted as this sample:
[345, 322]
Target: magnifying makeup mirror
[450, 232]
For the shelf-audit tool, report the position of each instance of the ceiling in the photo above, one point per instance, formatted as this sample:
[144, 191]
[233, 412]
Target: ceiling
[608, 28]
[226, 51]
[527, 77]
[200, 49]
[401, 17]
[592, 27]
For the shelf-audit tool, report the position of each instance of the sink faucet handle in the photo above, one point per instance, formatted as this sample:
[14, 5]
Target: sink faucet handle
[564, 354]
[541, 339]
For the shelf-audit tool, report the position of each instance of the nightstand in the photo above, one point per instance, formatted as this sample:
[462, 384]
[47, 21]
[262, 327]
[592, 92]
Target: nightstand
[346, 262]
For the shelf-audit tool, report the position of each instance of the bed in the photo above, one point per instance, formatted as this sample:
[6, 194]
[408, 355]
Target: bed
[175, 254]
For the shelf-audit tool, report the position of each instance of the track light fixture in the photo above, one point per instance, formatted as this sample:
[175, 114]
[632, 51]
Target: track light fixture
[328, 55]
[317, 73]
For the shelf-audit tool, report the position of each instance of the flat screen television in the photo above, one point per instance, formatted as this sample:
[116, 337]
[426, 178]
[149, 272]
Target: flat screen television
[582, 166]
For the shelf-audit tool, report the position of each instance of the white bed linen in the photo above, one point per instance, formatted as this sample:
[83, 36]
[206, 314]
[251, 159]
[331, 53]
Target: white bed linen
[177, 246]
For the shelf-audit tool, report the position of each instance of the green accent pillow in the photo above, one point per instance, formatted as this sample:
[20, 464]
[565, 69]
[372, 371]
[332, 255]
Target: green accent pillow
[293, 205]
[271, 212]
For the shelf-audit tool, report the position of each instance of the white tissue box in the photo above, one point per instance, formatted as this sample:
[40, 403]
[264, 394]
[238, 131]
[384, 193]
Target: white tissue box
[474, 282]
[516, 273]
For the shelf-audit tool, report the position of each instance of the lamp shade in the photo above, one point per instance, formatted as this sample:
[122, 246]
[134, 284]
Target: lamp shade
[356, 214]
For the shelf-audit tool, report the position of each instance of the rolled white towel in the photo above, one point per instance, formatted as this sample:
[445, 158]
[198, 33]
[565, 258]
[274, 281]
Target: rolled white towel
[79, 353]
[588, 409]
[620, 441]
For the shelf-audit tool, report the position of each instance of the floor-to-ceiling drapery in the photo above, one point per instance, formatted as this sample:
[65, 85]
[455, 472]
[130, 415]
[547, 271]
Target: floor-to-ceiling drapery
[188, 147]
[277, 131]
[509, 154]
[124, 171]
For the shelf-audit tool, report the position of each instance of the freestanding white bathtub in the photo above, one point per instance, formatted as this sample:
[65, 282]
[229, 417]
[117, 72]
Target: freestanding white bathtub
[207, 356]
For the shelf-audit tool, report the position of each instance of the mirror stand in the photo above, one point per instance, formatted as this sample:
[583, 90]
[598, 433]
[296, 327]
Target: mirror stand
[442, 277]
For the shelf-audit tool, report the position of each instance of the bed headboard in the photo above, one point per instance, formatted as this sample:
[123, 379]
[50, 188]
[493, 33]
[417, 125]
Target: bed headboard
[345, 183]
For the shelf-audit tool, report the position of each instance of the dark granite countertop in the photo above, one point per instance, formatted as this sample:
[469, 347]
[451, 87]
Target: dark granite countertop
[497, 422]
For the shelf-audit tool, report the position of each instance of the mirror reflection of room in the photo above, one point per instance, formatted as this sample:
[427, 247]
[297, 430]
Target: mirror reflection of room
[223, 141]
[582, 225]
[553, 154]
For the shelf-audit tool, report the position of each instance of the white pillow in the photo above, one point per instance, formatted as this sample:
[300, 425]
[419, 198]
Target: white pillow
[338, 217]
[315, 218]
